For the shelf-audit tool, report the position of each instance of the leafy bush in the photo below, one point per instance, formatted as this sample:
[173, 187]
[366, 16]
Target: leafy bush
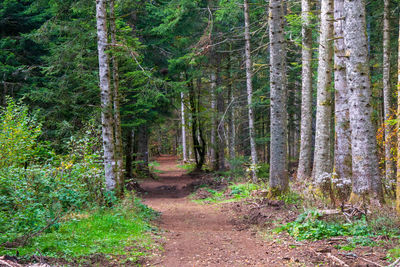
[309, 226]
[239, 191]
[237, 168]
[18, 134]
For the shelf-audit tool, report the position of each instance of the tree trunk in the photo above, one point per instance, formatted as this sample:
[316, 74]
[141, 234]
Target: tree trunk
[213, 139]
[342, 121]
[117, 116]
[363, 141]
[220, 125]
[389, 163]
[129, 154]
[106, 95]
[231, 113]
[184, 151]
[249, 76]
[323, 166]
[143, 151]
[304, 170]
[398, 129]
[278, 160]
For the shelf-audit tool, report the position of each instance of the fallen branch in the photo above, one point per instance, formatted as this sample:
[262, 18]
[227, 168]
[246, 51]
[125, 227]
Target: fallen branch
[368, 261]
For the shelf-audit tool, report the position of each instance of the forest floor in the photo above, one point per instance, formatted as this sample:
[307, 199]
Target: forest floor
[217, 235]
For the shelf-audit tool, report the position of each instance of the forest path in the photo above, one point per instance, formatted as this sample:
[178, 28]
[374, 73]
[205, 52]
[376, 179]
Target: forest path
[199, 234]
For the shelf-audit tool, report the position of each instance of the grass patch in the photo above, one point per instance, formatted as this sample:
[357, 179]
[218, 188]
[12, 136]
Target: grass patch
[187, 166]
[231, 193]
[120, 231]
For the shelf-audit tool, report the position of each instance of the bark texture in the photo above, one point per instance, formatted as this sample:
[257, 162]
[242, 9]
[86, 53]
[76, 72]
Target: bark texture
[304, 170]
[249, 76]
[398, 129]
[323, 165]
[363, 141]
[119, 158]
[106, 95]
[278, 160]
[342, 120]
[231, 113]
[184, 150]
[220, 126]
[213, 137]
[387, 105]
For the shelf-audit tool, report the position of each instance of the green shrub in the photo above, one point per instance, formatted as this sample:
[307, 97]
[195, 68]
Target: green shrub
[18, 134]
[237, 168]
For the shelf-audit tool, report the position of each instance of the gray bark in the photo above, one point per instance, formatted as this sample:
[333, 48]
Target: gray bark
[249, 76]
[278, 160]
[342, 120]
[322, 152]
[106, 95]
[220, 126]
[387, 105]
[304, 170]
[231, 114]
[213, 139]
[119, 158]
[184, 150]
[363, 141]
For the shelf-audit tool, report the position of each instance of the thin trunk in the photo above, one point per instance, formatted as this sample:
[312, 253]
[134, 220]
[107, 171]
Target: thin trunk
[184, 151]
[398, 128]
[342, 120]
[213, 139]
[117, 116]
[389, 163]
[231, 113]
[129, 154]
[249, 75]
[278, 160]
[106, 95]
[323, 166]
[220, 124]
[143, 151]
[365, 167]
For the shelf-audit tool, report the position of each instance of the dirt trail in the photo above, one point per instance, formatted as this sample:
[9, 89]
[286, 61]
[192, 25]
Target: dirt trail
[200, 235]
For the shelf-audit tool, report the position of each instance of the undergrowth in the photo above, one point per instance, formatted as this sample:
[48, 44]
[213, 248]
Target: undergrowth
[309, 226]
[122, 231]
[233, 192]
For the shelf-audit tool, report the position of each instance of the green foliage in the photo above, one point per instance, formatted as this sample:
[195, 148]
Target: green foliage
[18, 134]
[236, 168]
[122, 230]
[240, 191]
[309, 226]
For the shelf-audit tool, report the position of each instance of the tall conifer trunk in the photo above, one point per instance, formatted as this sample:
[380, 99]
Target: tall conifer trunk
[106, 95]
[249, 76]
[322, 159]
[117, 116]
[278, 160]
[389, 164]
[304, 170]
[398, 128]
[365, 168]
[342, 120]
[184, 150]
[213, 137]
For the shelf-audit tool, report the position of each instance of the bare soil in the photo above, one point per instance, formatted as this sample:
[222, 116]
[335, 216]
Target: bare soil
[225, 235]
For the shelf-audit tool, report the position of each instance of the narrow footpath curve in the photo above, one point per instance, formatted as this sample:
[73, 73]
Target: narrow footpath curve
[199, 235]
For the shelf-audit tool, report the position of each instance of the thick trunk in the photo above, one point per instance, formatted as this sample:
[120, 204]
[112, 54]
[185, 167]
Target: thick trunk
[365, 168]
[117, 116]
[106, 95]
[278, 160]
[184, 150]
[249, 75]
[342, 121]
[323, 166]
[304, 170]
[213, 139]
[389, 163]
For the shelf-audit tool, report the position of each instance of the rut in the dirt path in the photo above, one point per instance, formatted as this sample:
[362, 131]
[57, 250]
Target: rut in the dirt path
[199, 235]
